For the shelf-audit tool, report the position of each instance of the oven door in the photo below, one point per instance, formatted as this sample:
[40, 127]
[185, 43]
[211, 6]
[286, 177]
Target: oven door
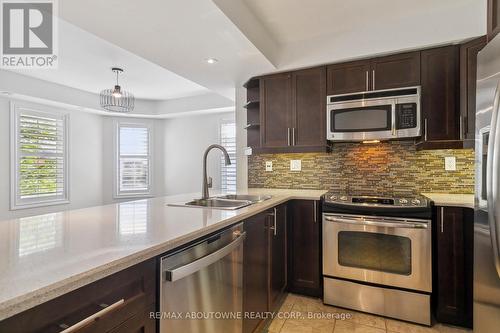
[361, 120]
[382, 250]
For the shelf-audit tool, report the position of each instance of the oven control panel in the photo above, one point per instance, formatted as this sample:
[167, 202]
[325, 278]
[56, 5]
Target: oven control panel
[376, 201]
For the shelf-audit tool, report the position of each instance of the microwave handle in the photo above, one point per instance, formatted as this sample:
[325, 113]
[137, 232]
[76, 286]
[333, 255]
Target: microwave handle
[393, 119]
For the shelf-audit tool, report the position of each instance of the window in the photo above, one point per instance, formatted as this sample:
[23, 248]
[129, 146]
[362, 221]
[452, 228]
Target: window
[228, 141]
[134, 160]
[39, 157]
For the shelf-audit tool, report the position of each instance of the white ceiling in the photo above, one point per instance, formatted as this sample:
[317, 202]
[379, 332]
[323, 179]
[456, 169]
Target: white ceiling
[85, 62]
[175, 34]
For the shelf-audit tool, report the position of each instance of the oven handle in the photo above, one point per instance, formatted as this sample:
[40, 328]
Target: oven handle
[374, 223]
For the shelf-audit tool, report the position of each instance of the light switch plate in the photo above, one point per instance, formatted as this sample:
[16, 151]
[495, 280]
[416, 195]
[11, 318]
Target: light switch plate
[269, 165]
[450, 163]
[295, 165]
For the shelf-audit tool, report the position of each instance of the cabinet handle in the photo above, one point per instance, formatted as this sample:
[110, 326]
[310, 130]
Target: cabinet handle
[315, 216]
[442, 219]
[425, 129]
[373, 79]
[274, 228]
[293, 136]
[367, 81]
[288, 135]
[91, 318]
[461, 127]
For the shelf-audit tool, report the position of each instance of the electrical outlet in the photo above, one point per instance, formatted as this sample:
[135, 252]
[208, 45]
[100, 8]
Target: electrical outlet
[450, 163]
[269, 165]
[295, 165]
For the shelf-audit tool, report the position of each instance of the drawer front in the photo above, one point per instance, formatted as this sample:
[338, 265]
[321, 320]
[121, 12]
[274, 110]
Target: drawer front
[112, 300]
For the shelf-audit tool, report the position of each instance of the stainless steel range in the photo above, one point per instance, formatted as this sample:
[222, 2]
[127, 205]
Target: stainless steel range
[377, 255]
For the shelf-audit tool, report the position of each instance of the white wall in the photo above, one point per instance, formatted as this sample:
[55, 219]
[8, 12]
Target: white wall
[85, 163]
[185, 142]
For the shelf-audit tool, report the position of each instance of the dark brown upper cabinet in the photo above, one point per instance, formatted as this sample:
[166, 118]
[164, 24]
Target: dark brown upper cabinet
[394, 71]
[440, 102]
[348, 77]
[493, 18]
[468, 76]
[292, 111]
[305, 248]
[275, 115]
[308, 107]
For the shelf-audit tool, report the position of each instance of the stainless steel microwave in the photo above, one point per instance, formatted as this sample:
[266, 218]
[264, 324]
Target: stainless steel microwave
[374, 115]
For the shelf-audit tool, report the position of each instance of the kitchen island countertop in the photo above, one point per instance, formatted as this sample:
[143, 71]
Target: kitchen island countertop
[45, 256]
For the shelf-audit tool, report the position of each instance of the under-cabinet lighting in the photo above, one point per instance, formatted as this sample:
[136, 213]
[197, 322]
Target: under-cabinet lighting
[371, 141]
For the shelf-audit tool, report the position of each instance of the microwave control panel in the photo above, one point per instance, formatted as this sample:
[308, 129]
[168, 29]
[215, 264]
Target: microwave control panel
[406, 115]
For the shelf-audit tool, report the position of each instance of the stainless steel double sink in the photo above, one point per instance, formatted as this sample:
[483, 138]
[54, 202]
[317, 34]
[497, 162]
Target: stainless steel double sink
[227, 202]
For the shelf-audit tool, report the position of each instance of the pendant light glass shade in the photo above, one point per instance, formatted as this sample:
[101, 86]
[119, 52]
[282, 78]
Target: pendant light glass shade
[116, 99]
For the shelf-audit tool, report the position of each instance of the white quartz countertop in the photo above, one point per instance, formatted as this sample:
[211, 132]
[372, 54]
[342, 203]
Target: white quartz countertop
[45, 256]
[455, 200]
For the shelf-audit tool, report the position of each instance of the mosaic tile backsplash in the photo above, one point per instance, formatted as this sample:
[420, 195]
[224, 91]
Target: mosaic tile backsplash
[386, 168]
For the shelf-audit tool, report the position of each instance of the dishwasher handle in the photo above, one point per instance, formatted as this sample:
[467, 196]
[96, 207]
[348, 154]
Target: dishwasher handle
[194, 266]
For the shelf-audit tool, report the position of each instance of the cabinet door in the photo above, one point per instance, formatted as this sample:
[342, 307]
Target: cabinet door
[309, 107]
[454, 265]
[440, 94]
[493, 18]
[468, 76]
[275, 119]
[305, 246]
[396, 71]
[348, 77]
[278, 255]
[134, 287]
[255, 269]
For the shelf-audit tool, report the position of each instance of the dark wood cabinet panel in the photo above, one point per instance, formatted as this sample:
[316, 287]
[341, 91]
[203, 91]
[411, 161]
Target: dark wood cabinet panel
[396, 71]
[348, 77]
[468, 76]
[308, 107]
[255, 269]
[305, 247]
[440, 83]
[277, 256]
[140, 323]
[136, 286]
[493, 18]
[275, 115]
[453, 257]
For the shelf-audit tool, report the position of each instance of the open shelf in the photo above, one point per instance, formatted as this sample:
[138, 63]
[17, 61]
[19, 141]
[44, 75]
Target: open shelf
[248, 126]
[251, 104]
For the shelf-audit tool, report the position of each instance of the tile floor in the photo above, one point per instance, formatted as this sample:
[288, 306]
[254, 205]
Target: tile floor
[300, 314]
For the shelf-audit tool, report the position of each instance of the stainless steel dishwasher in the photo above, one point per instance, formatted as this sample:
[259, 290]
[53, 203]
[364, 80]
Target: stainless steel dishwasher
[201, 289]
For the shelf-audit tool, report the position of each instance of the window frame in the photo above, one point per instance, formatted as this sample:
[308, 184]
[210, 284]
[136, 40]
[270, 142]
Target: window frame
[16, 109]
[117, 194]
[221, 123]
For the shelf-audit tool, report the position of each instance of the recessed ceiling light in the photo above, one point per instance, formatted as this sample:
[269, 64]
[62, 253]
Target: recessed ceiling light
[212, 61]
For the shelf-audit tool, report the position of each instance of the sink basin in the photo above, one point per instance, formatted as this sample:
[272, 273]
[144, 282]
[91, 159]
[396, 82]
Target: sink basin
[219, 203]
[246, 197]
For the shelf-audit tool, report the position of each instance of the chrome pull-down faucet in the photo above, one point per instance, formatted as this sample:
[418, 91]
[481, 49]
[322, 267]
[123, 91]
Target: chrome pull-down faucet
[204, 190]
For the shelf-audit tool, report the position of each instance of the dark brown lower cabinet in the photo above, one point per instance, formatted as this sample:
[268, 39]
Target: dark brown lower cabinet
[265, 264]
[453, 266]
[255, 269]
[305, 247]
[136, 286]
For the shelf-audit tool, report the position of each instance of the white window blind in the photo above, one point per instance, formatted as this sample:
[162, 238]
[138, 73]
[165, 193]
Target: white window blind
[228, 141]
[40, 158]
[134, 160]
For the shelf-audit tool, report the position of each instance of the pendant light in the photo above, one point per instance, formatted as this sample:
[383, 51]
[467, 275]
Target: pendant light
[116, 99]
